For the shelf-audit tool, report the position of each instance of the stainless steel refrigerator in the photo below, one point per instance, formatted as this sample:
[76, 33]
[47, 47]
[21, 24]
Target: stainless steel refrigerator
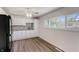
[5, 33]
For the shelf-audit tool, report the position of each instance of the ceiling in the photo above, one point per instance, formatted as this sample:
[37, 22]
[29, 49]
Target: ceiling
[37, 11]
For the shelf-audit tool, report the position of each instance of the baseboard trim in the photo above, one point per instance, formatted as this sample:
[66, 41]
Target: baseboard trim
[50, 45]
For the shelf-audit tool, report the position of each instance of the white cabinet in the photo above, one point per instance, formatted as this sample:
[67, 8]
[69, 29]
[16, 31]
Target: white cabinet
[18, 35]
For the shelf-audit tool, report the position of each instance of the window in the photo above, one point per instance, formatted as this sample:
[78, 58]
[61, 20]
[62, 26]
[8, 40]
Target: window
[53, 22]
[56, 22]
[30, 26]
[68, 22]
[61, 22]
[73, 20]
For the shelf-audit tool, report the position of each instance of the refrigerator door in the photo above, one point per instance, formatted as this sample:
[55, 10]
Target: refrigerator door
[4, 33]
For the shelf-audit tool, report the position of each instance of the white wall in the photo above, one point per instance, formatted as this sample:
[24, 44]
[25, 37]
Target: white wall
[2, 11]
[20, 20]
[66, 40]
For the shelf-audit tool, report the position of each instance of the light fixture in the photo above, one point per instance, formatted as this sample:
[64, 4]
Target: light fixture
[29, 13]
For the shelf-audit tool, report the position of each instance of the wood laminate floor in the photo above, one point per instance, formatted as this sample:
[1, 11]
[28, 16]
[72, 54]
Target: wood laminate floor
[32, 45]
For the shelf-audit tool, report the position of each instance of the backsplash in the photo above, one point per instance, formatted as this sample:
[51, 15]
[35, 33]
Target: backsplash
[21, 27]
